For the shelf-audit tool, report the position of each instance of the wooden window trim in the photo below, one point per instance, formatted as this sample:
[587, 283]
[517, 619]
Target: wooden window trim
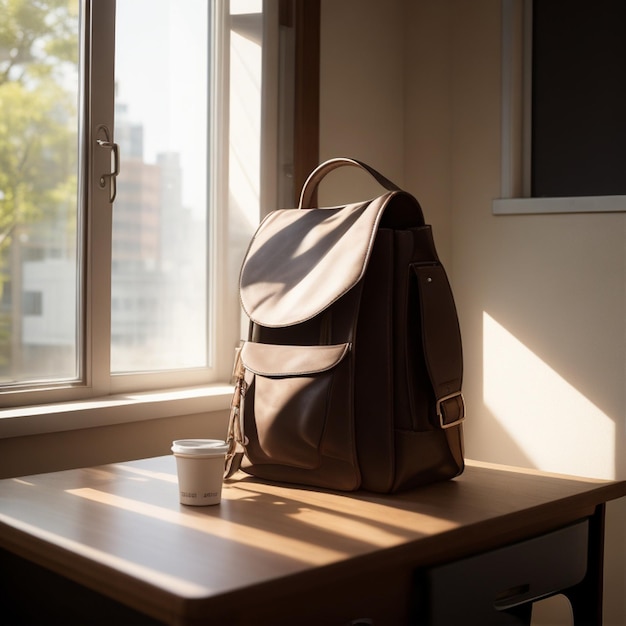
[304, 17]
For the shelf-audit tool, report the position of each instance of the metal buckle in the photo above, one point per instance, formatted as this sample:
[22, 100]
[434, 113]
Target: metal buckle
[440, 412]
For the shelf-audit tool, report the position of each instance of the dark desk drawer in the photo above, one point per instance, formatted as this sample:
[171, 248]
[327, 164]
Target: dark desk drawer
[498, 587]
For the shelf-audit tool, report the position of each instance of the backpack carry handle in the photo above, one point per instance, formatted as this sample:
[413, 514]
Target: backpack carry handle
[316, 176]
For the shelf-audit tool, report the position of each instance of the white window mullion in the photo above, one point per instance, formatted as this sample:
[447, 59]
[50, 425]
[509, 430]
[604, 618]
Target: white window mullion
[100, 116]
[223, 310]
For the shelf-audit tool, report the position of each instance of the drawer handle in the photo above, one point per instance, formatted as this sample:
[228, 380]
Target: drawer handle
[511, 597]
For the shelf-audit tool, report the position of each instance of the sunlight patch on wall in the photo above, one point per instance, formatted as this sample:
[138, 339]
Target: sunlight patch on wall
[555, 425]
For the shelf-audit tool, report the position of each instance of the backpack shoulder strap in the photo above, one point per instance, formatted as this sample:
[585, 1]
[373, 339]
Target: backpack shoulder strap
[441, 339]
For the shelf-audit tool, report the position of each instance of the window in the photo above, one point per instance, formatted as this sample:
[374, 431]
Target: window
[39, 244]
[563, 128]
[165, 196]
[130, 184]
[578, 99]
[32, 303]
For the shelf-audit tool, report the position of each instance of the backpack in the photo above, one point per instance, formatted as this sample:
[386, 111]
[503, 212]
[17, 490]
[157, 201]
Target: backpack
[351, 374]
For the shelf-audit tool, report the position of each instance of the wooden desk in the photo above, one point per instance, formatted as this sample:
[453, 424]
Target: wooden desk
[269, 554]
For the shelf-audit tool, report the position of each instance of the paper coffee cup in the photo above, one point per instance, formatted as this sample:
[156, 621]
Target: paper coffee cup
[200, 465]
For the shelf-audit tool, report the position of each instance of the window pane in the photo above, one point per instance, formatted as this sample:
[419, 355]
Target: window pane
[159, 269]
[39, 52]
[578, 99]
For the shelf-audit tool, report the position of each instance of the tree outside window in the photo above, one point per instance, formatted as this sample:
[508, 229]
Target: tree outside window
[39, 51]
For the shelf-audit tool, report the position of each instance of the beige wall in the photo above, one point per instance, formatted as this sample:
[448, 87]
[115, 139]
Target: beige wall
[413, 88]
[49, 452]
[362, 94]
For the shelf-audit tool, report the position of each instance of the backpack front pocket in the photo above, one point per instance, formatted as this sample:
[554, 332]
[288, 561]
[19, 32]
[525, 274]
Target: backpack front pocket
[291, 392]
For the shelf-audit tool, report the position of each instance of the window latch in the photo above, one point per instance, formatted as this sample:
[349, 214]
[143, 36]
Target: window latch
[104, 141]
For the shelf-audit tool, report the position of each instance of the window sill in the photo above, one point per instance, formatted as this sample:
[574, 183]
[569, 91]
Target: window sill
[534, 206]
[118, 409]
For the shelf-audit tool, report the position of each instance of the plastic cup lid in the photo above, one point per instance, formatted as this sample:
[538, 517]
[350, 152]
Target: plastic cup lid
[200, 447]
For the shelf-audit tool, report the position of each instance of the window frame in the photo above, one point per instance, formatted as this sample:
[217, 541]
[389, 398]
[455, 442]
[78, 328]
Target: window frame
[96, 121]
[99, 400]
[516, 59]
